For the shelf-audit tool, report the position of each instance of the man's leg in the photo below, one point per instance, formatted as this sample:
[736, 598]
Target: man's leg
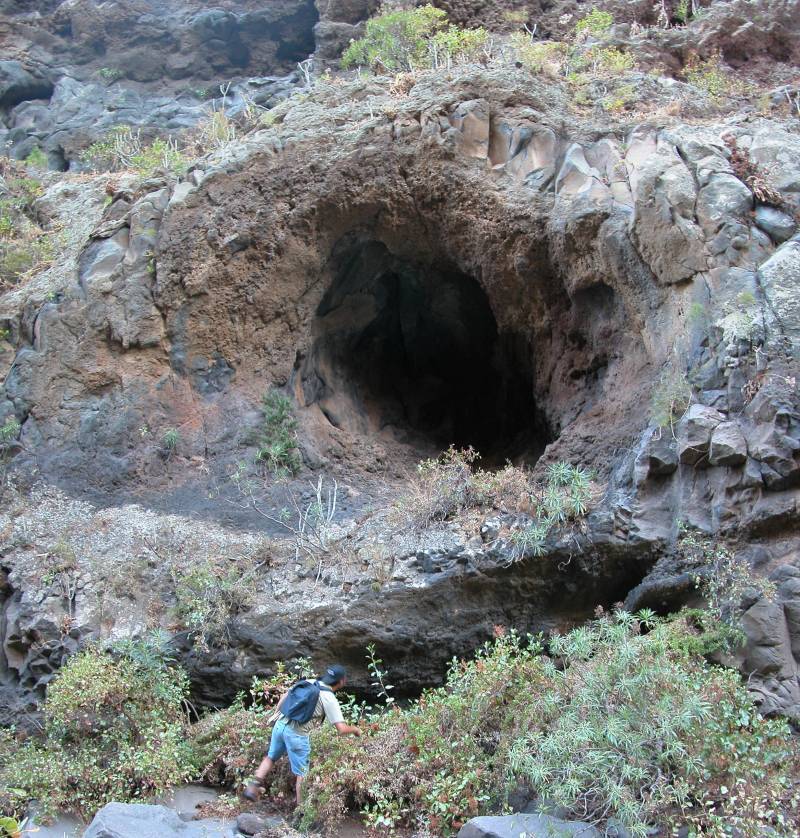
[298, 748]
[264, 768]
[277, 748]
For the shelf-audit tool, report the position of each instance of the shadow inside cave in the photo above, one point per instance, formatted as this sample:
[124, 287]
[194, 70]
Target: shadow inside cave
[413, 350]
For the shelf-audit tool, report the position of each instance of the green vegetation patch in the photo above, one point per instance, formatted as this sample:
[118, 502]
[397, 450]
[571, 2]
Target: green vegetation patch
[631, 724]
[114, 730]
[277, 442]
[123, 149]
[413, 39]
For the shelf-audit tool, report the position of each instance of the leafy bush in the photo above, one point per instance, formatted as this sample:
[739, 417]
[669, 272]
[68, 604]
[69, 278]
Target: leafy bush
[114, 730]
[123, 149]
[37, 159]
[455, 45]
[710, 76]
[411, 39]
[580, 59]
[277, 445]
[596, 23]
[395, 40]
[540, 56]
[723, 577]
[170, 439]
[208, 594]
[632, 724]
[11, 827]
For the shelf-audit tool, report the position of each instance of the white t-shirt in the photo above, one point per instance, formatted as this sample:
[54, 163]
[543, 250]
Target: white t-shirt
[327, 708]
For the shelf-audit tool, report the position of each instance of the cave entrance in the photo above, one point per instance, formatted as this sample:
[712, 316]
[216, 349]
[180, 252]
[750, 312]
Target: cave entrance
[413, 350]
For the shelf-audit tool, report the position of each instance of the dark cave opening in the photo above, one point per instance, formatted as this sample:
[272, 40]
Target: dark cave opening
[414, 350]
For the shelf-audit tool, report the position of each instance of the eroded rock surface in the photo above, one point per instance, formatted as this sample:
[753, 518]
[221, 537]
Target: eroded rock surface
[588, 268]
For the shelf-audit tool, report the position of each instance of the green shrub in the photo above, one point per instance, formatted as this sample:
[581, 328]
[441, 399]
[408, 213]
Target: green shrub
[709, 76]
[11, 827]
[683, 11]
[396, 40]
[612, 61]
[110, 74]
[123, 149]
[114, 730]
[277, 444]
[453, 45]
[631, 724]
[170, 439]
[37, 159]
[540, 56]
[208, 594]
[596, 23]
[411, 39]
[564, 497]
[23, 245]
[722, 576]
[9, 430]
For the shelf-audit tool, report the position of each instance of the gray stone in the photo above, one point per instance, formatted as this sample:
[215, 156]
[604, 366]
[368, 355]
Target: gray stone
[694, 433]
[777, 151]
[724, 197]
[101, 257]
[780, 279]
[728, 445]
[531, 826]
[664, 226]
[577, 177]
[778, 225]
[136, 820]
[18, 84]
[249, 823]
[774, 440]
[490, 528]
[660, 455]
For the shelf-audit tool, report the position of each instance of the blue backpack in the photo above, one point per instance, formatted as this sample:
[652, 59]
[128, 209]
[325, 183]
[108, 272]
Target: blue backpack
[302, 701]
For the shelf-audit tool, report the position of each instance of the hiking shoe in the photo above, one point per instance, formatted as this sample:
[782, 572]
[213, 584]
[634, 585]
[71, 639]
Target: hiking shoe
[253, 791]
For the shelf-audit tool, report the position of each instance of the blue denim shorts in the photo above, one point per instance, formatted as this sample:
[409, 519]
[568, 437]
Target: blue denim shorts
[287, 741]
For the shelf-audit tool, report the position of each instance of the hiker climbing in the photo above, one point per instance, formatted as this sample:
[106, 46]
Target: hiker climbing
[308, 703]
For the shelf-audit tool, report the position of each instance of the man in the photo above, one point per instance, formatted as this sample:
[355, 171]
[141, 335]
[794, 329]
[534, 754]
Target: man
[292, 737]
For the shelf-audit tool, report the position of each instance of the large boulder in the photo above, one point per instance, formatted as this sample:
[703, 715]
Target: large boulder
[728, 445]
[694, 433]
[136, 820]
[780, 279]
[531, 826]
[780, 226]
[19, 84]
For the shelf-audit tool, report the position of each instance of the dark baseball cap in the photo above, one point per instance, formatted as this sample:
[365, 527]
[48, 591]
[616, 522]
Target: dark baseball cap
[334, 674]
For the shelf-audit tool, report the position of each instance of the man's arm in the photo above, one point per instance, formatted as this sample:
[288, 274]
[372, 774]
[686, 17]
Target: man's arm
[333, 713]
[344, 729]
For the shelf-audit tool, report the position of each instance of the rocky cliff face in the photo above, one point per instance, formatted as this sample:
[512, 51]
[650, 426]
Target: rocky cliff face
[72, 70]
[462, 260]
